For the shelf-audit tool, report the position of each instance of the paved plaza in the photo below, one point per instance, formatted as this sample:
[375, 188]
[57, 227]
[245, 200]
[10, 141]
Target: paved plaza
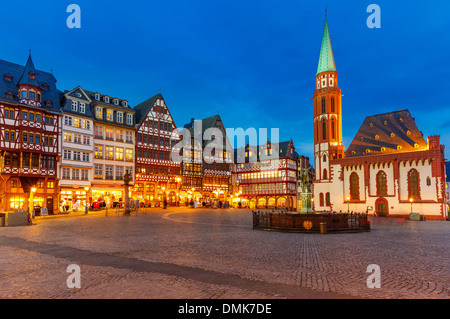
[214, 253]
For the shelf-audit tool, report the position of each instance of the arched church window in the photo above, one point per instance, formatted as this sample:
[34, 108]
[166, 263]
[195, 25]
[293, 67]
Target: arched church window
[413, 184]
[354, 186]
[381, 183]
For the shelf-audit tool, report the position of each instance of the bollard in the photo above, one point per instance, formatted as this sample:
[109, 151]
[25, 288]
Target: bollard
[323, 228]
[106, 212]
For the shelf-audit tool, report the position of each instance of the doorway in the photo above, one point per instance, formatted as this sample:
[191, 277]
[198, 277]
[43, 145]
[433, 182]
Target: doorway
[50, 205]
[381, 207]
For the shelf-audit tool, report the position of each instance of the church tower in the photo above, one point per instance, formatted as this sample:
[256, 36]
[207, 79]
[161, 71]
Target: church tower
[327, 111]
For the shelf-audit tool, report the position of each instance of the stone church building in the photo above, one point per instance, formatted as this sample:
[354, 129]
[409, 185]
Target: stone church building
[389, 169]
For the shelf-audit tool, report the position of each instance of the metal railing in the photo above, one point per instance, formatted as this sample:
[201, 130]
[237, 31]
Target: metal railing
[304, 223]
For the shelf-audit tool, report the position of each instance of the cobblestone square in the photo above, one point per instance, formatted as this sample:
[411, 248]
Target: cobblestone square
[214, 253]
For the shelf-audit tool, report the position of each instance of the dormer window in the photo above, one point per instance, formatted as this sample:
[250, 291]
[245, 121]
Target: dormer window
[23, 94]
[109, 115]
[99, 112]
[74, 106]
[119, 117]
[116, 102]
[106, 99]
[8, 77]
[9, 95]
[130, 119]
[124, 103]
[45, 86]
[48, 103]
[97, 97]
[32, 76]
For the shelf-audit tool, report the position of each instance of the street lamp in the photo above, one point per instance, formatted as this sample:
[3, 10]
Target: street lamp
[411, 201]
[348, 204]
[86, 201]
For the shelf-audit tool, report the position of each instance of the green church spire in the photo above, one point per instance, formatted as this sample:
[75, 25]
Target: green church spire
[326, 59]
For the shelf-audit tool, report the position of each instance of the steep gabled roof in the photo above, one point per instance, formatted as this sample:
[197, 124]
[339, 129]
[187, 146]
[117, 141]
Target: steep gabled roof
[391, 132]
[50, 93]
[143, 108]
[29, 68]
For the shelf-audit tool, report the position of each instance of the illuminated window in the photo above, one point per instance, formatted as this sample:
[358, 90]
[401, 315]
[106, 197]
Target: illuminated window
[381, 183]
[413, 184]
[109, 115]
[77, 122]
[99, 112]
[109, 134]
[16, 202]
[119, 154]
[109, 152]
[98, 152]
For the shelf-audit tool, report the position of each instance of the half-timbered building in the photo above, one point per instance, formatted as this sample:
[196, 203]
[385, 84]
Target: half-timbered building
[267, 175]
[206, 170]
[157, 173]
[30, 132]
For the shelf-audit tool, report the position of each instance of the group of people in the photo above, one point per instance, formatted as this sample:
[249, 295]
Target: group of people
[207, 203]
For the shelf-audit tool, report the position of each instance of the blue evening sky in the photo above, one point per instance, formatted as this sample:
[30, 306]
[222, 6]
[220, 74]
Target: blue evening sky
[254, 61]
